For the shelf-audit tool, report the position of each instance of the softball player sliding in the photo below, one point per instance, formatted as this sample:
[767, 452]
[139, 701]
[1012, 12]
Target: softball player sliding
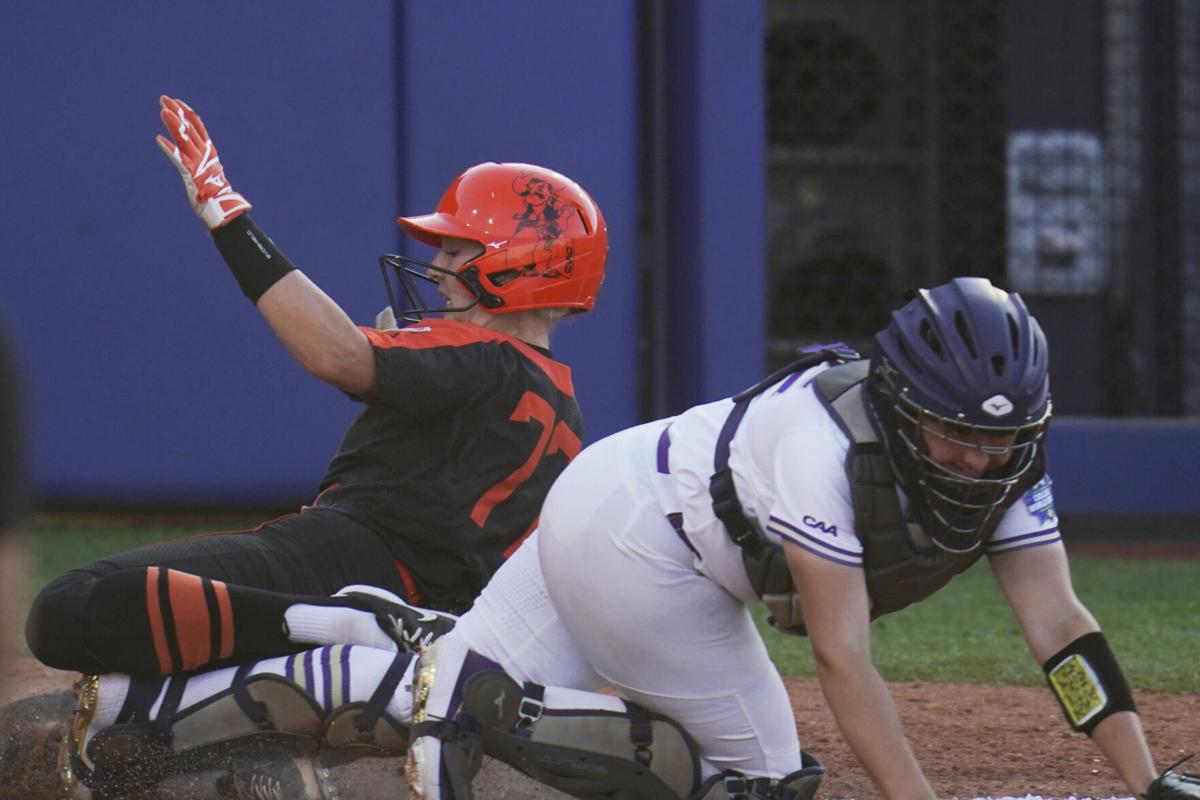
[467, 421]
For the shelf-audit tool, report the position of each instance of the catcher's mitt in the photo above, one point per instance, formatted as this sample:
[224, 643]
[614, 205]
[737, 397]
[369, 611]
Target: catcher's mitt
[1172, 785]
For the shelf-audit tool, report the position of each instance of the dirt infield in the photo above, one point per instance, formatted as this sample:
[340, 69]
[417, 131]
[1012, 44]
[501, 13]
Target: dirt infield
[972, 741]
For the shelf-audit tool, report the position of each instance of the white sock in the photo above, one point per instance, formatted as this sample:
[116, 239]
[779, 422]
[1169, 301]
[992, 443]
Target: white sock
[110, 699]
[333, 676]
[335, 625]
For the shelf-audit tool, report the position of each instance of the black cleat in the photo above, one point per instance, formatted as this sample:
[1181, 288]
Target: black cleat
[410, 627]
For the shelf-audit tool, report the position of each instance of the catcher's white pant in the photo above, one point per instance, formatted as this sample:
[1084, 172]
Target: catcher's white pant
[607, 593]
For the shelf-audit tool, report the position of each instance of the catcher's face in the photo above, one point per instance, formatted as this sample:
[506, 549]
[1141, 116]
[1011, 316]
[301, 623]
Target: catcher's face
[453, 256]
[967, 451]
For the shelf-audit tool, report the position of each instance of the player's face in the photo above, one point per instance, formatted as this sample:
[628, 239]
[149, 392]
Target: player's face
[453, 256]
[964, 450]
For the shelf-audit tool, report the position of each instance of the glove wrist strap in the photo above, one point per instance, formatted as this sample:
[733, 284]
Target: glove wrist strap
[252, 257]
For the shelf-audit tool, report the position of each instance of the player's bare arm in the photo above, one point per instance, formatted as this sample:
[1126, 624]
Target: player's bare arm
[836, 615]
[318, 333]
[1036, 582]
[311, 326]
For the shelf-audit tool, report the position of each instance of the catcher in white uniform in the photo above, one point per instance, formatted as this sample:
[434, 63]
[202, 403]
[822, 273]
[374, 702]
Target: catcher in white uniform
[836, 490]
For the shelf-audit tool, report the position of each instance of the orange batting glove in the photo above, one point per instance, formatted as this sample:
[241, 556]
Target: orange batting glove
[195, 156]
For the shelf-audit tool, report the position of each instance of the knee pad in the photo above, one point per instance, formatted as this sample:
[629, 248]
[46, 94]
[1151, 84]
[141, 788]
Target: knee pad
[466, 706]
[626, 752]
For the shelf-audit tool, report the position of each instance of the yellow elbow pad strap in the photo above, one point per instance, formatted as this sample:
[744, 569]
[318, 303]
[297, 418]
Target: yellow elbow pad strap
[1086, 680]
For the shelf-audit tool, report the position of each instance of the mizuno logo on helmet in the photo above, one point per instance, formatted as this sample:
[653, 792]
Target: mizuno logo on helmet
[998, 405]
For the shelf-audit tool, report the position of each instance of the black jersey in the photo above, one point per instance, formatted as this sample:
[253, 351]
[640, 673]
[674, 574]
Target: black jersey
[452, 458]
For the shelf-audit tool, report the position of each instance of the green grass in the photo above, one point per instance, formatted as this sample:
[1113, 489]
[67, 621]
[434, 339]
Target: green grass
[1150, 612]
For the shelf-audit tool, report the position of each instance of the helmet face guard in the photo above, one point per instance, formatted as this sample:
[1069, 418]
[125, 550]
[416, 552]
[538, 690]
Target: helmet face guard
[961, 366]
[410, 292]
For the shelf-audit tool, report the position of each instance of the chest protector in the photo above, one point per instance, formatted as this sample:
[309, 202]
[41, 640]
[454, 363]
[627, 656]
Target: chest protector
[901, 563]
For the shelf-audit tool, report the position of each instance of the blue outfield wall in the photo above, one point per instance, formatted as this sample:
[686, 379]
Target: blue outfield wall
[554, 84]
[150, 378]
[1125, 466]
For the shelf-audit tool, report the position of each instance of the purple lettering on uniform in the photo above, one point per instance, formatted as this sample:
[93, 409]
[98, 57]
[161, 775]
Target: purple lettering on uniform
[787, 526]
[813, 522]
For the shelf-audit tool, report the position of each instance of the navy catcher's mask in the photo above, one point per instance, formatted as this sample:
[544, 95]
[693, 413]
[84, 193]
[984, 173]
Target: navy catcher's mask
[961, 393]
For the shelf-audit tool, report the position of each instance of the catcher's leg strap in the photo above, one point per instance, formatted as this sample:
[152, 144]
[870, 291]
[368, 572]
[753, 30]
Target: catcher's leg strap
[367, 726]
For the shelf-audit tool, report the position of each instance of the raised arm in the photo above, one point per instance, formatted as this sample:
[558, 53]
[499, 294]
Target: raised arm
[311, 326]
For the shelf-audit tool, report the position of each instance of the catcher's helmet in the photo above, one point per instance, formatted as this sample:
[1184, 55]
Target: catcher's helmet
[545, 241]
[967, 363]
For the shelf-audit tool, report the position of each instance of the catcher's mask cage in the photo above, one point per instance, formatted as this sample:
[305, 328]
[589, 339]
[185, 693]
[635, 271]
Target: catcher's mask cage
[961, 505]
[965, 363]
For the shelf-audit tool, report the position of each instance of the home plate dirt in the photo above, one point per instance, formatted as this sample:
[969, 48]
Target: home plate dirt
[973, 741]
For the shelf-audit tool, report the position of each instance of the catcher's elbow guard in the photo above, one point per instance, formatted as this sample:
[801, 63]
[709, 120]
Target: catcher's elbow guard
[1086, 680]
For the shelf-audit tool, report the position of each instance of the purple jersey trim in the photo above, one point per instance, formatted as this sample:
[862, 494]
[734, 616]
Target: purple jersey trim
[806, 535]
[345, 698]
[817, 548]
[327, 676]
[309, 681]
[664, 448]
[1000, 552]
[676, 520]
[787, 382]
[1004, 543]
[825, 556]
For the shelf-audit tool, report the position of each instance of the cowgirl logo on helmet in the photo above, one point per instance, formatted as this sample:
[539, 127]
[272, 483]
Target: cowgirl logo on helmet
[544, 244]
[552, 257]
